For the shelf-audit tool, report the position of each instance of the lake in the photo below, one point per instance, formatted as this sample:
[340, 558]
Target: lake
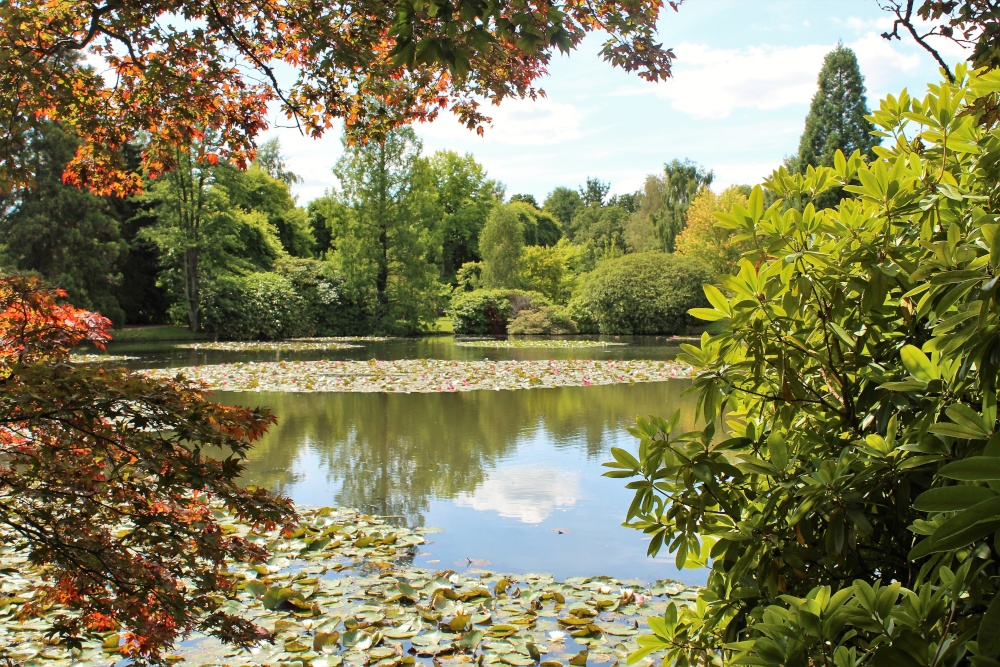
[511, 478]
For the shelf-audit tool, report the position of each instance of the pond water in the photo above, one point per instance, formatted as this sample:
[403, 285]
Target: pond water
[512, 478]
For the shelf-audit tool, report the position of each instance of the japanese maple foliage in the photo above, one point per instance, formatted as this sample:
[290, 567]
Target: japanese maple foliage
[110, 482]
[174, 69]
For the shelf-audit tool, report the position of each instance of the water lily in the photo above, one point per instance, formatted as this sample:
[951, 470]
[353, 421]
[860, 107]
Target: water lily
[556, 636]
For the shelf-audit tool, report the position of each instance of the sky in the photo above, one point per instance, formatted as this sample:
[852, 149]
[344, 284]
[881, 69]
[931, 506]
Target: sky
[744, 75]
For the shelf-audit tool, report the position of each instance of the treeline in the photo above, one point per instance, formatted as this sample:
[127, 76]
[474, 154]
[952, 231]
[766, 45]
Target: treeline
[403, 239]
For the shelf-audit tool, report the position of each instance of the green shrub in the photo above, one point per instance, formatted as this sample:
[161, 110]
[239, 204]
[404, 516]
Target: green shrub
[487, 311]
[547, 320]
[480, 312]
[843, 484]
[257, 306]
[328, 310]
[580, 313]
[645, 293]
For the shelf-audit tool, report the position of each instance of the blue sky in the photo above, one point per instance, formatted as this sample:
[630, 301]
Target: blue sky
[743, 78]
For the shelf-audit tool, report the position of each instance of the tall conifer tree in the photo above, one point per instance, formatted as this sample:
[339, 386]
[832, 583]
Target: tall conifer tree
[836, 119]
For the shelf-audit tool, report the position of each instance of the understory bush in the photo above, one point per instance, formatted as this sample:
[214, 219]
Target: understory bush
[256, 306]
[644, 293]
[547, 320]
[487, 311]
[327, 308]
[844, 483]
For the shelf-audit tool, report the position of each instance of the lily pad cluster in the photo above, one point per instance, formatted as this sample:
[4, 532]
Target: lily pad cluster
[298, 345]
[341, 591]
[424, 375]
[100, 358]
[536, 344]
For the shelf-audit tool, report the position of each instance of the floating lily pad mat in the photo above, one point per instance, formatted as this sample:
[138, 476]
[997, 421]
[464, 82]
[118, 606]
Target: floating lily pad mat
[424, 375]
[340, 591]
[533, 344]
[99, 358]
[268, 346]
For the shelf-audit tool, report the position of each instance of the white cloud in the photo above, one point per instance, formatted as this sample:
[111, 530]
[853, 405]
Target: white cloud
[527, 493]
[517, 122]
[714, 82]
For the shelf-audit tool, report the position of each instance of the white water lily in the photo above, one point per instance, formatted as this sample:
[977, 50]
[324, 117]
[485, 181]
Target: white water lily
[556, 636]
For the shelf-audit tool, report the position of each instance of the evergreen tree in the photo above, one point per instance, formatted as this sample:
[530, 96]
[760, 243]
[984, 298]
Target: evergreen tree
[836, 119]
[68, 236]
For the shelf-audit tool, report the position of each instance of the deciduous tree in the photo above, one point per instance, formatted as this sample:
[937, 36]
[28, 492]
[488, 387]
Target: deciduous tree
[663, 204]
[502, 244]
[111, 481]
[182, 68]
[705, 239]
[388, 252]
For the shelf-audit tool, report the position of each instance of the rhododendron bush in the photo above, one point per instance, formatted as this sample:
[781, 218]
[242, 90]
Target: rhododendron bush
[116, 485]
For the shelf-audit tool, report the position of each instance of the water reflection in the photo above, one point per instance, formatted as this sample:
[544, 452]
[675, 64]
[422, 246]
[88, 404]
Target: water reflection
[526, 493]
[513, 477]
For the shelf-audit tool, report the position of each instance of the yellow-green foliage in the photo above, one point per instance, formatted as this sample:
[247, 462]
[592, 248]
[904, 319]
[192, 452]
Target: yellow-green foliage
[704, 239]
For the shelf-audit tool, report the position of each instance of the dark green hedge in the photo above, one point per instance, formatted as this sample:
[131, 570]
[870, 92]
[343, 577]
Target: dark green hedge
[644, 293]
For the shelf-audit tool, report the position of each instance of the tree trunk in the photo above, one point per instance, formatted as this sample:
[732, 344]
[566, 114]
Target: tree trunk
[191, 288]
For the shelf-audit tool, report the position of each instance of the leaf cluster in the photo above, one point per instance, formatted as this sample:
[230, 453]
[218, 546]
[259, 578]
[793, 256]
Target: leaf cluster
[843, 486]
[111, 480]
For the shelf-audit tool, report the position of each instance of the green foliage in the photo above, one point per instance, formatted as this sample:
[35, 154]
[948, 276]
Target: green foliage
[501, 245]
[844, 482]
[551, 271]
[68, 236]
[466, 196]
[603, 226]
[487, 311]
[470, 276]
[538, 227]
[257, 306]
[254, 190]
[562, 204]
[836, 119]
[594, 192]
[662, 206]
[546, 320]
[644, 293]
[388, 250]
[327, 309]
[481, 312]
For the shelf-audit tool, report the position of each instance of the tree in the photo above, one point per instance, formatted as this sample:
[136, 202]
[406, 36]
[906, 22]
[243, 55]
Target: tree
[501, 244]
[552, 271]
[662, 205]
[537, 227]
[604, 226]
[836, 119]
[527, 199]
[562, 204]
[213, 69]
[594, 192]
[200, 235]
[389, 247]
[69, 237]
[270, 159]
[466, 196]
[705, 240]
[843, 481]
[110, 480]
[254, 190]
